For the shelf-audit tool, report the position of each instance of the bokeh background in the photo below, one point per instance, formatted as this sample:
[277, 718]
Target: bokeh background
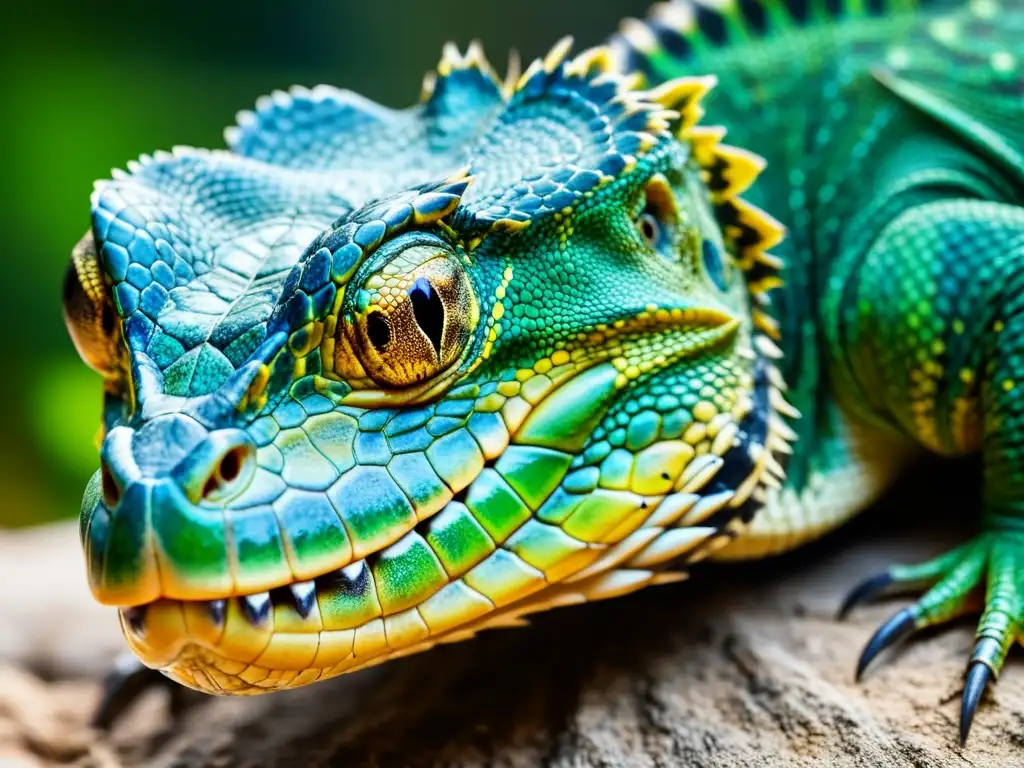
[87, 86]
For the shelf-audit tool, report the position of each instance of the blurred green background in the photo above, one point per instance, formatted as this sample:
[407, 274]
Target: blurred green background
[88, 86]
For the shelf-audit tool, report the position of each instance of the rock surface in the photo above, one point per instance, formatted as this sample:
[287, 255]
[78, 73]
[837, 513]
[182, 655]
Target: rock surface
[741, 665]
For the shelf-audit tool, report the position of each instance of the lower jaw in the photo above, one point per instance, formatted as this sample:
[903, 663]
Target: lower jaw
[271, 641]
[222, 647]
[229, 654]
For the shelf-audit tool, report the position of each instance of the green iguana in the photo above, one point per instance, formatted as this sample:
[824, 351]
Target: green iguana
[376, 380]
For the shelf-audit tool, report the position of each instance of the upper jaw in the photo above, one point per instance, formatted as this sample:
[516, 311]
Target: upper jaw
[162, 540]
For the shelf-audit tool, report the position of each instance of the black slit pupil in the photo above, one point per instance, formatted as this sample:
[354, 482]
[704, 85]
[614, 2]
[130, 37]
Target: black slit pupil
[428, 311]
[649, 227]
[378, 330]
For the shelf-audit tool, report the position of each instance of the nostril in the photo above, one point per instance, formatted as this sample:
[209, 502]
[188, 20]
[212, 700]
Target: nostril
[231, 464]
[111, 489]
[228, 475]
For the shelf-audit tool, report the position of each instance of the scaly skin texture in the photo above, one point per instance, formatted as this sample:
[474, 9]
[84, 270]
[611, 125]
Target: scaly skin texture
[330, 444]
[895, 146]
[379, 379]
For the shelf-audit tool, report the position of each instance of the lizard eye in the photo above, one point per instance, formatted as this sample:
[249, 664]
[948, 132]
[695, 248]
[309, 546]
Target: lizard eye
[413, 318]
[650, 229]
[88, 309]
[658, 216]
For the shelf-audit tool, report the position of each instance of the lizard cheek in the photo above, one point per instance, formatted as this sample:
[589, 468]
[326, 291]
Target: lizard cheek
[414, 326]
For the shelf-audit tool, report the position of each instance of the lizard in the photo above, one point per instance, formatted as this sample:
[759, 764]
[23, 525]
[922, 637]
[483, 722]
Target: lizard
[378, 379]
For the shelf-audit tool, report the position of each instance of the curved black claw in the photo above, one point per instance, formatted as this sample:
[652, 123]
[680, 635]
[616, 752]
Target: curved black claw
[979, 674]
[864, 591]
[895, 629]
[125, 684]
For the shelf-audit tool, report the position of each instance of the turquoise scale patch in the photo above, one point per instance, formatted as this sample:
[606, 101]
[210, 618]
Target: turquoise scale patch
[643, 430]
[372, 448]
[239, 350]
[259, 558]
[164, 275]
[313, 534]
[407, 573]
[443, 425]
[164, 349]
[372, 507]
[582, 480]
[138, 276]
[211, 371]
[115, 259]
[408, 420]
[458, 540]
[290, 414]
[126, 297]
[417, 478]
[197, 372]
[152, 300]
[415, 441]
[495, 505]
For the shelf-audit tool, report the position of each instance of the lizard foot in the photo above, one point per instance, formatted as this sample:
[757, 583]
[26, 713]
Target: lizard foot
[949, 583]
[126, 683]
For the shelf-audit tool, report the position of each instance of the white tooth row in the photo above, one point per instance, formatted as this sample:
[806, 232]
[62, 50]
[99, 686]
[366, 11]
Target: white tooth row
[256, 607]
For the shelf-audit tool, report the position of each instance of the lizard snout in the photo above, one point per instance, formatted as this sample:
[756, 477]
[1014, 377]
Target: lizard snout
[154, 515]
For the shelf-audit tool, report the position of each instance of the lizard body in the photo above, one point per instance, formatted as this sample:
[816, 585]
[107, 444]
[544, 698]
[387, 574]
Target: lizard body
[894, 135]
[379, 379]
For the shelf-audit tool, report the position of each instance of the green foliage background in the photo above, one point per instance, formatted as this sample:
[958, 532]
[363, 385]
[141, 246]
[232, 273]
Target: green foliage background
[88, 86]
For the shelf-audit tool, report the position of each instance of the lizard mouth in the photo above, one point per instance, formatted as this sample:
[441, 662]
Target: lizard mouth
[416, 592]
[266, 640]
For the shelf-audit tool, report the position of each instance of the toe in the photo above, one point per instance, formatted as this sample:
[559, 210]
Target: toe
[903, 578]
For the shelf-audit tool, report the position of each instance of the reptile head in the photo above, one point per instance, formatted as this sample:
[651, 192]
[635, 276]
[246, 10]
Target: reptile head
[360, 401]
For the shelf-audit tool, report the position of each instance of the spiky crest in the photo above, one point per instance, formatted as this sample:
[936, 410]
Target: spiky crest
[455, 64]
